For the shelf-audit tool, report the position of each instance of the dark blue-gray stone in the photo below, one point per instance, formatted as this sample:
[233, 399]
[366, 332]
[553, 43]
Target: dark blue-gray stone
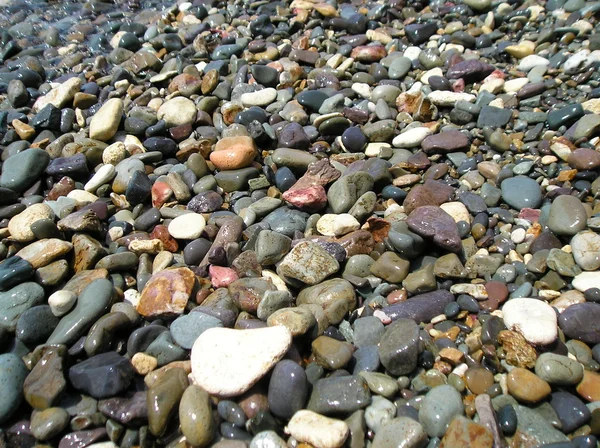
[399, 347]
[420, 308]
[342, 394]
[288, 389]
[186, 329]
[571, 411]
[12, 376]
[35, 325]
[17, 300]
[102, 376]
[521, 192]
[22, 170]
[14, 270]
[495, 117]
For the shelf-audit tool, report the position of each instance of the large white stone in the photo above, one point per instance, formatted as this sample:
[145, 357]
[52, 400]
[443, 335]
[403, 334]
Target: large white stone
[262, 97]
[533, 318]
[60, 96]
[586, 250]
[177, 112]
[586, 280]
[105, 122]
[447, 98]
[531, 61]
[187, 227]
[411, 138]
[317, 430]
[337, 225]
[227, 362]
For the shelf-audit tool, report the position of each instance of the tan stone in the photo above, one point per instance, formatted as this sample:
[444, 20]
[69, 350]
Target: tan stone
[43, 252]
[589, 387]
[166, 293]
[526, 386]
[232, 153]
[143, 364]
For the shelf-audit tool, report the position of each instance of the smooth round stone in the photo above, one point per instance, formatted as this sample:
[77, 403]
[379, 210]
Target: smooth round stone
[317, 430]
[479, 379]
[380, 383]
[288, 389]
[399, 67]
[22, 170]
[35, 325]
[312, 99]
[534, 319]
[527, 387]
[195, 416]
[12, 377]
[567, 216]
[331, 353]
[438, 408]
[354, 140]
[399, 348]
[379, 412]
[61, 302]
[258, 350]
[558, 370]
[521, 192]
[507, 419]
[49, 423]
[571, 411]
[581, 321]
[339, 394]
[186, 329]
[16, 301]
[91, 376]
[188, 226]
[586, 250]
[105, 122]
[406, 429]
[163, 397]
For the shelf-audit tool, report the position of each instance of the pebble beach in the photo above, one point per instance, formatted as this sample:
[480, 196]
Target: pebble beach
[300, 224]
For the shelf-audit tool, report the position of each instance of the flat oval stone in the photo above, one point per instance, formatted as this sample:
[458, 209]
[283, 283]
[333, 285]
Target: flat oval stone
[581, 322]
[12, 376]
[438, 408]
[195, 416]
[399, 347]
[16, 301]
[288, 389]
[534, 319]
[567, 216]
[558, 370]
[103, 375]
[521, 192]
[335, 395]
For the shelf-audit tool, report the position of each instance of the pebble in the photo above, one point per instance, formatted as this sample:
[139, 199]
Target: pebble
[533, 318]
[410, 206]
[256, 350]
[311, 428]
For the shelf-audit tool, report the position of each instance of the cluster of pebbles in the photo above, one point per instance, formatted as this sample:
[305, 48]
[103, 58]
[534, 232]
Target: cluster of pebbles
[300, 224]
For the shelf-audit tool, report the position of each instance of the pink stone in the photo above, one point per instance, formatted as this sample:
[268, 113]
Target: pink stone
[530, 214]
[496, 74]
[310, 199]
[221, 277]
[459, 85]
[161, 192]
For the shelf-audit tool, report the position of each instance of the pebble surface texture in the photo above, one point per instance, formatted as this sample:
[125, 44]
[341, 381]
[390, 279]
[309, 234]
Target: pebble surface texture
[300, 224]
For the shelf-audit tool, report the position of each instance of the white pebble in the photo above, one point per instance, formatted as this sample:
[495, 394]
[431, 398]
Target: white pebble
[61, 302]
[533, 318]
[187, 227]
